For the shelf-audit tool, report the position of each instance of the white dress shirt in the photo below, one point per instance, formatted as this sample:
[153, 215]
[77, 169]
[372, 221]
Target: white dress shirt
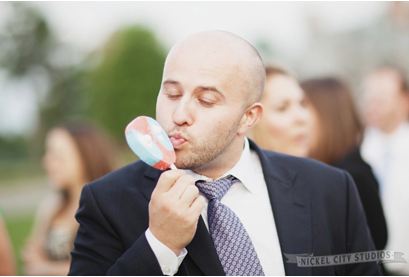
[250, 202]
[388, 155]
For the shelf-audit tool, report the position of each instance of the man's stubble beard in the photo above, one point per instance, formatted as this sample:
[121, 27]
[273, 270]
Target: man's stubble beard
[204, 152]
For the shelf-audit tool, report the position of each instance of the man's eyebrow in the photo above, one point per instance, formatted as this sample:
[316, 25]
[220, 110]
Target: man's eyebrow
[209, 88]
[199, 88]
[171, 82]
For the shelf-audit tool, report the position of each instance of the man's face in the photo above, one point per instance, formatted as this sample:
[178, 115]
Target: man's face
[200, 107]
[383, 100]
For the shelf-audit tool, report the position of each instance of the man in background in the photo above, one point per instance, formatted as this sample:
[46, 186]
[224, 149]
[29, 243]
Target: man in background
[386, 149]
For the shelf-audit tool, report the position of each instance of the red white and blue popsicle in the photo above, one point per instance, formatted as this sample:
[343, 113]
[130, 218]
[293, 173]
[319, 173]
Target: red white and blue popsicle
[150, 143]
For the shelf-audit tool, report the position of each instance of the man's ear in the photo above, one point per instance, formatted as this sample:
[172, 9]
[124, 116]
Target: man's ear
[250, 118]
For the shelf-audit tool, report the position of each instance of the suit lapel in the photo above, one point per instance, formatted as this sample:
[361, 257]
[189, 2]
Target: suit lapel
[203, 252]
[201, 248]
[291, 209]
[151, 178]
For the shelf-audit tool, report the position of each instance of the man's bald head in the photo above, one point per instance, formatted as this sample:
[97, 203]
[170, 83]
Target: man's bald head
[241, 61]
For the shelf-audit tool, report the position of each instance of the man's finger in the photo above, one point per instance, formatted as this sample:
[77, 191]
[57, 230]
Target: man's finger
[198, 205]
[180, 186]
[189, 195]
[167, 179]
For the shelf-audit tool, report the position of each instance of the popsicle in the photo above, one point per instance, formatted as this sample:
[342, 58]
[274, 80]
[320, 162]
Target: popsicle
[150, 143]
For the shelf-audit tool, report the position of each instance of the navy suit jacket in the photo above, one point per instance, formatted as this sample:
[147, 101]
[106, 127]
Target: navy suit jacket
[316, 211]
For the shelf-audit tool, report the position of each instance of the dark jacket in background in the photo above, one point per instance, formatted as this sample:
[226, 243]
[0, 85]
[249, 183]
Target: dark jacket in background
[368, 189]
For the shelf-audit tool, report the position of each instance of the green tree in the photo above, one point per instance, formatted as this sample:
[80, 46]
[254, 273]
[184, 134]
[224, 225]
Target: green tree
[25, 41]
[28, 48]
[125, 82]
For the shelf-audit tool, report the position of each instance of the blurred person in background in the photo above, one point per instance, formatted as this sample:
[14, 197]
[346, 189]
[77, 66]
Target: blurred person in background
[7, 263]
[386, 113]
[337, 132]
[284, 124]
[75, 154]
[386, 149]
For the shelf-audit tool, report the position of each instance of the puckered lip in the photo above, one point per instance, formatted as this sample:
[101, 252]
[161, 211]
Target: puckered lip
[177, 139]
[177, 135]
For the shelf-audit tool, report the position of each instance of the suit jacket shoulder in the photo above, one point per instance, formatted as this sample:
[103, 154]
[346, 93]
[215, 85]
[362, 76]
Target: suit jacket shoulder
[113, 218]
[317, 211]
[317, 176]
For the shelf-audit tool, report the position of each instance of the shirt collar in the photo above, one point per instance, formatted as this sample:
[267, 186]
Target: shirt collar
[242, 170]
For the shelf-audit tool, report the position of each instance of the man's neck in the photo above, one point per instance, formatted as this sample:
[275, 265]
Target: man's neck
[224, 162]
[391, 128]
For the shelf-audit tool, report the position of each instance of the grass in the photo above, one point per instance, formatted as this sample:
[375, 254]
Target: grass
[19, 228]
[11, 171]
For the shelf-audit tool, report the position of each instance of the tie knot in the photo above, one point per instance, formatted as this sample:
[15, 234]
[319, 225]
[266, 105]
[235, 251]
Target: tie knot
[216, 189]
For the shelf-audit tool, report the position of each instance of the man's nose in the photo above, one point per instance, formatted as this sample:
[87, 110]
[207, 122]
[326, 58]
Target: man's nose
[182, 114]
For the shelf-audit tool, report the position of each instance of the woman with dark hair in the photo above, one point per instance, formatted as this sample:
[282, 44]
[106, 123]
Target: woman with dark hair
[75, 154]
[336, 138]
[284, 124]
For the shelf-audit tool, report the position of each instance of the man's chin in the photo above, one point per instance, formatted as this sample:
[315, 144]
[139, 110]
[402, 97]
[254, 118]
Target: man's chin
[187, 159]
[180, 159]
[183, 164]
[183, 161]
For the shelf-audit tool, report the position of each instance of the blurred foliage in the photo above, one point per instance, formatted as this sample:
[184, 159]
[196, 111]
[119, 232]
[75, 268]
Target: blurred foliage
[28, 48]
[13, 148]
[19, 228]
[64, 101]
[25, 41]
[110, 86]
[125, 82]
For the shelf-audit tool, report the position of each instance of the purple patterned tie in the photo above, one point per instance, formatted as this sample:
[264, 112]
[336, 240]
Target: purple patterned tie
[233, 245]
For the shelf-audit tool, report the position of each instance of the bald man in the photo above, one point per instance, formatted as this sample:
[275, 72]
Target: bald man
[230, 208]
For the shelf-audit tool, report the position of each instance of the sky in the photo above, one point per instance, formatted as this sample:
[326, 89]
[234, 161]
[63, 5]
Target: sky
[87, 25]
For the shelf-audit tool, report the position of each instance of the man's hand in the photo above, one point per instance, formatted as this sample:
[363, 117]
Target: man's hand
[174, 209]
